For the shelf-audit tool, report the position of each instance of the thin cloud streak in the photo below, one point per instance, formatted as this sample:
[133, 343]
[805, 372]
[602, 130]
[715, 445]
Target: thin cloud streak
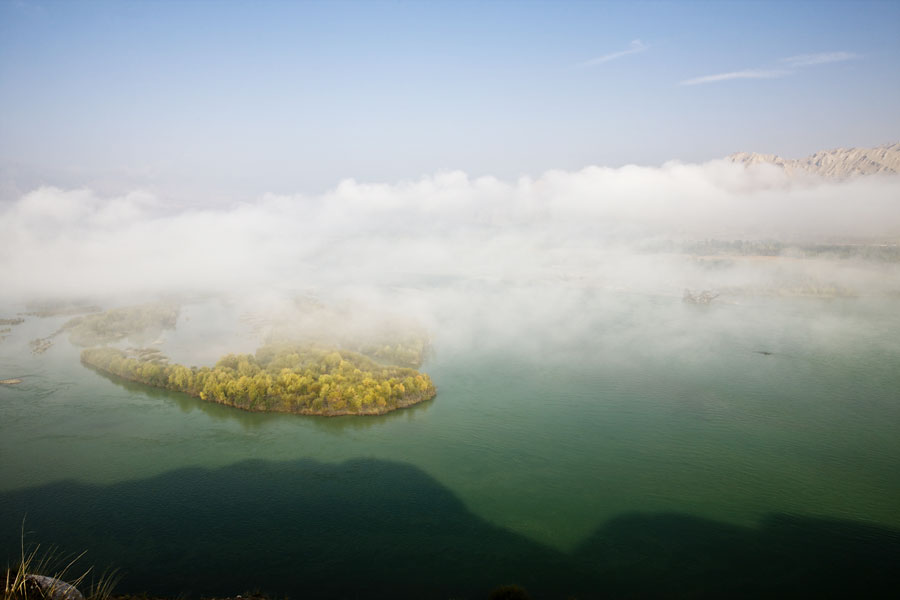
[633, 48]
[745, 74]
[821, 58]
[793, 62]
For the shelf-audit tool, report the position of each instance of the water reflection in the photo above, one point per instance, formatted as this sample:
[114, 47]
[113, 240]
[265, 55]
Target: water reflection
[256, 420]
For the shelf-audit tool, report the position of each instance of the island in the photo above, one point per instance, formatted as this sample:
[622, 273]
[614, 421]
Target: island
[288, 378]
[120, 323]
[142, 321]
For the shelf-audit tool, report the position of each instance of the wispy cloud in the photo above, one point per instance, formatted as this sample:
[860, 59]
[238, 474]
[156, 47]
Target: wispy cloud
[791, 63]
[633, 48]
[821, 58]
[745, 74]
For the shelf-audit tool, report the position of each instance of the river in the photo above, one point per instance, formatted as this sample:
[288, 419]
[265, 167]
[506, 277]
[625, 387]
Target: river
[649, 445]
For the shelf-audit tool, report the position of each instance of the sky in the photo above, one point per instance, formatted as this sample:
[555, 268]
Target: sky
[208, 103]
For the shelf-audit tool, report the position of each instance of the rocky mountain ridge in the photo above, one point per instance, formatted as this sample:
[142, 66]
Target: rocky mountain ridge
[837, 163]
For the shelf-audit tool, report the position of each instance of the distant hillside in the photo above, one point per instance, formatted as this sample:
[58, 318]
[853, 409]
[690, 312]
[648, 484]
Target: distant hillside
[840, 162]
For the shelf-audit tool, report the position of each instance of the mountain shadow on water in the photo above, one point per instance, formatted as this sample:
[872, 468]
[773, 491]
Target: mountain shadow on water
[379, 529]
[360, 529]
[786, 556]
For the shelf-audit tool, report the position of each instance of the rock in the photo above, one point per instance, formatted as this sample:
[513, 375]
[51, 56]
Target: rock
[53, 589]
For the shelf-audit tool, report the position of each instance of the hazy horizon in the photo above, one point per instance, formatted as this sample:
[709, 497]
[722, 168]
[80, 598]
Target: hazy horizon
[205, 105]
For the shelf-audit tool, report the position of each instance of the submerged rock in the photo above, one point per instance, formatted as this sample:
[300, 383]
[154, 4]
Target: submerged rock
[53, 589]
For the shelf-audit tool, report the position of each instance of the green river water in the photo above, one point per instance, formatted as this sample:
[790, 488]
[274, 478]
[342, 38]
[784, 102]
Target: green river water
[653, 448]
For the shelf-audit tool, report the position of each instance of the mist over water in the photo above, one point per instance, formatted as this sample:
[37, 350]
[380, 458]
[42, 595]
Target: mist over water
[599, 226]
[578, 394]
[469, 258]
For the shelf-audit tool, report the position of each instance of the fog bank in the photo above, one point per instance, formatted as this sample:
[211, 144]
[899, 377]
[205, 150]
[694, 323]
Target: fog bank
[599, 226]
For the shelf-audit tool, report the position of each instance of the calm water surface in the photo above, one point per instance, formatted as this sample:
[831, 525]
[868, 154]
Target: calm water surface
[541, 461]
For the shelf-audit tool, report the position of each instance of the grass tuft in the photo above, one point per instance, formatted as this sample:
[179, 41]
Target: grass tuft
[50, 575]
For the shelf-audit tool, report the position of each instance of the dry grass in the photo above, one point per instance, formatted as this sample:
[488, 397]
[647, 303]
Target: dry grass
[20, 583]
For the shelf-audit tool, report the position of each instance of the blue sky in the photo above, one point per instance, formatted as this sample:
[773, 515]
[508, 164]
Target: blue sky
[228, 100]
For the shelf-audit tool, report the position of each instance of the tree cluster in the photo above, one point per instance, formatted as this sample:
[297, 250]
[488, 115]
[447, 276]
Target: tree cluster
[278, 378]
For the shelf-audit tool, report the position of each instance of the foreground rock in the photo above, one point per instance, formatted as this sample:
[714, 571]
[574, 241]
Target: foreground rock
[50, 588]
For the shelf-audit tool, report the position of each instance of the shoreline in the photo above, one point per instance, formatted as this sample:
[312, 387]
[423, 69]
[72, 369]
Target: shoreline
[409, 399]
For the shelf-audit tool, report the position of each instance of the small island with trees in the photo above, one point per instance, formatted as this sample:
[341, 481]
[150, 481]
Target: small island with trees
[301, 379]
[121, 323]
